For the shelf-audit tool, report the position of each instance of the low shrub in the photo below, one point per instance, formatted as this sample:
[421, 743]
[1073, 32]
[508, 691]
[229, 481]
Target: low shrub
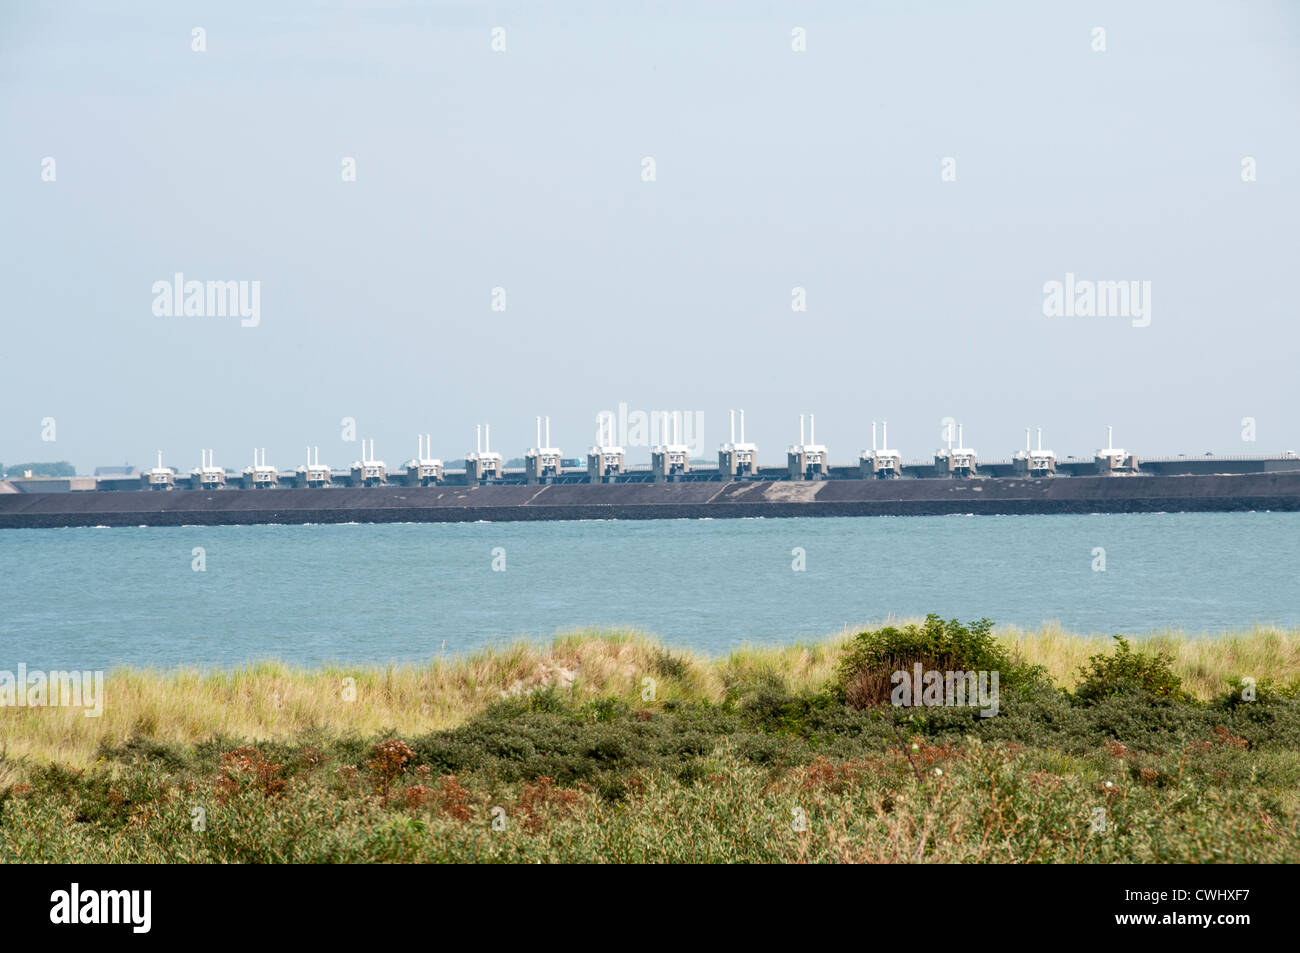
[864, 677]
[1125, 672]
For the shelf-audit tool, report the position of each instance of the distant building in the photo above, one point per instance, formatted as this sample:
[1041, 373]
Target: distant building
[1113, 461]
[671, 458]
[737, 458]
[260, 476]
[368, 471]
[542, 462]
[424, 469]
[159, 477]
[484, 464]
[807, 461]
[1034, 463]
[207, 475]
[958, 461]
[605, 460]
[126, 470]
[312, 473]
[880, 463]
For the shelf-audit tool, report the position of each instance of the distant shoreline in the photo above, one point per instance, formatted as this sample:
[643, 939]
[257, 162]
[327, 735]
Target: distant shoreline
[1277, 491]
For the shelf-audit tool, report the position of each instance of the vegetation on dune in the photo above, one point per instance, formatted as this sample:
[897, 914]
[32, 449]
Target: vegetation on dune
[614, 749]
[61, 468]
[271, 700]
[864, 675]
[1126, 671]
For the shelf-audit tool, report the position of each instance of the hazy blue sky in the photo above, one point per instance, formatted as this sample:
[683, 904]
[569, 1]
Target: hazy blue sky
[522, 169]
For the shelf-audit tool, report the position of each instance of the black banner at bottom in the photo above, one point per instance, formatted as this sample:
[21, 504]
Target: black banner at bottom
[142, 904]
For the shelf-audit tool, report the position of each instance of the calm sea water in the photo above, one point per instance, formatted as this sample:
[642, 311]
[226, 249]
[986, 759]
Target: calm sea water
[95, 598]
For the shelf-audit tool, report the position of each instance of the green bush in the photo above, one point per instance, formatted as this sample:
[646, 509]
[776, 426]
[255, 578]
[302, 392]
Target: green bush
[667, 665]
[1241, 694]
[863, 678]
[569, 747]
[1125, 672]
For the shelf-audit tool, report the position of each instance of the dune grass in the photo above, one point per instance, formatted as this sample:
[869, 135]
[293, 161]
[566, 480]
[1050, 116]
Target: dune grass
[608, 747]
[272, 700]
[1206, 663]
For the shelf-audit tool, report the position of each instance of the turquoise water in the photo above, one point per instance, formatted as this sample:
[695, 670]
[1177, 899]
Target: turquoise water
[95, 598]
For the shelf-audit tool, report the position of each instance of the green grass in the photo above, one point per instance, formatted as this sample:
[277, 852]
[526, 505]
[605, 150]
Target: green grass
[561, 754]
